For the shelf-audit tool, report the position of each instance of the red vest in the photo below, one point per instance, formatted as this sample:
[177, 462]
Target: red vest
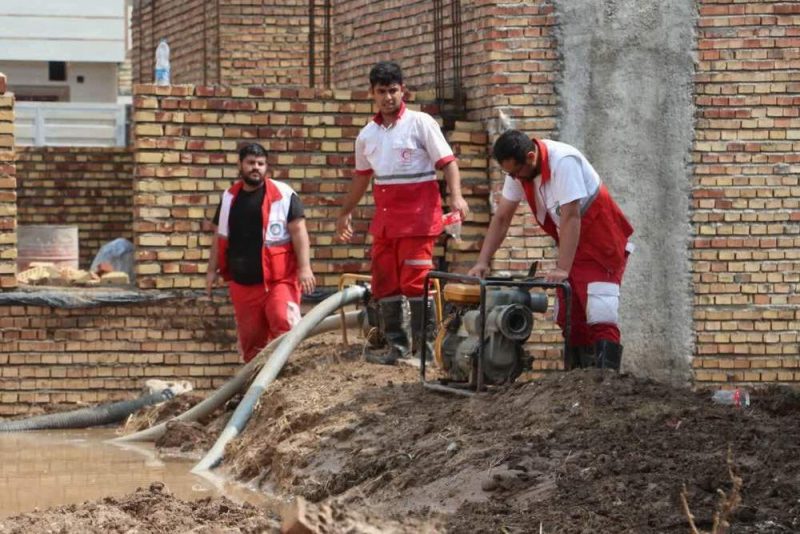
[604, 228]
[278, 260]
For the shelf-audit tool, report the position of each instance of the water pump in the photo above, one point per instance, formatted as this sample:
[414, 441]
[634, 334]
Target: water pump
[499, 355]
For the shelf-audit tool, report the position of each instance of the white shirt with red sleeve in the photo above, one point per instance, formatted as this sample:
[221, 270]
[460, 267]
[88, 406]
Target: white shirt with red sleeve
[573, 178]
[403, 159]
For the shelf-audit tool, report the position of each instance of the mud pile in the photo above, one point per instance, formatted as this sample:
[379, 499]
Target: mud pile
[586, 451]
[371, 450]
[152, 509]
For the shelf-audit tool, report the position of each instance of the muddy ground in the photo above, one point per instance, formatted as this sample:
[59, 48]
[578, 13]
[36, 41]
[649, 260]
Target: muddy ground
[586, 451]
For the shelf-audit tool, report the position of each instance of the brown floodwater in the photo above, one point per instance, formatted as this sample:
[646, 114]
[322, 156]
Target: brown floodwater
[53, 468]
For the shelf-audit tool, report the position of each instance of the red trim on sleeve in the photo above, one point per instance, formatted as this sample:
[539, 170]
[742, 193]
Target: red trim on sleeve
[365, 172]
[444, 161]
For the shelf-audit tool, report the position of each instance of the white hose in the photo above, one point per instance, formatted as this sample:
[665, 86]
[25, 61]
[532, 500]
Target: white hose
[271, 369]
[239, 381]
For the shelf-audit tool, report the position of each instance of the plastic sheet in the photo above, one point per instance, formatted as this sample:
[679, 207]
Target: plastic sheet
[83, 298]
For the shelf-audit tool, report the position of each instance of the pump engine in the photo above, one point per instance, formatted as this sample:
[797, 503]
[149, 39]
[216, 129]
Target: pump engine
[509, 322]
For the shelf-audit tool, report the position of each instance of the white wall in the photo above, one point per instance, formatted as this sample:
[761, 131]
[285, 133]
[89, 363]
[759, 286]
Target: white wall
[99, 79]
[63, 30]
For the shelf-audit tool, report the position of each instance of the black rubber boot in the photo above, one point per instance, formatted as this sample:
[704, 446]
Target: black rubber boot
[395, 332]
[608, 354]
[580, 357]
[419, 334]
[371, 327]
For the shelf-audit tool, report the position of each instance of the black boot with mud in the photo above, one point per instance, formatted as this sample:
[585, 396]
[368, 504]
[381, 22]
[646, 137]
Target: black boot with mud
[580, 357]
[608, 355]
[394, 321]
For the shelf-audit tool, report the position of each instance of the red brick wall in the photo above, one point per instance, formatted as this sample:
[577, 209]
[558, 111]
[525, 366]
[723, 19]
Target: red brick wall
[509, 56]
[89, 355]
[746, 195]
[264, 43]
[367, 32]
[8, 185]
[191, 30]
[231, 42]
[91, 188]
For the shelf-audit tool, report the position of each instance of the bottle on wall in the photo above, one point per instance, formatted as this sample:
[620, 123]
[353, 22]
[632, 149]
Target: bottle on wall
[162, 63]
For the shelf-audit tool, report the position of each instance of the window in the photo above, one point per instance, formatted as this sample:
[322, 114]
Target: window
[57, 71]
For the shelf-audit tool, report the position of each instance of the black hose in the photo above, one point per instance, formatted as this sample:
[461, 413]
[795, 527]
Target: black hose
[102, 414]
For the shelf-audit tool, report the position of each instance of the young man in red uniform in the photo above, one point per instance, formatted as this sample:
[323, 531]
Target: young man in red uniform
[261, 248]
[401, 149]
[573, 206]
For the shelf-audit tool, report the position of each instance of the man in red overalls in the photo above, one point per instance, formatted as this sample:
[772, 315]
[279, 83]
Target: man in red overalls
[402, 149]
[261, 248]
[573, 206]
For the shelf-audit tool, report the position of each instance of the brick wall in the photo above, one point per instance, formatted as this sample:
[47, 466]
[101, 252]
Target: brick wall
[89, 355]
[746, 195]
[185, 150]
[367, 32]
[509, 56]
[186, 142]
[231, 42]
[87, 187]
[192, 33]
[8, 185]
[264, 43]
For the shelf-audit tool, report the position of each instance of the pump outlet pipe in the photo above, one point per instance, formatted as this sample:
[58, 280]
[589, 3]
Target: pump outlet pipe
[271, 369]
[207, 406]
[103, 414]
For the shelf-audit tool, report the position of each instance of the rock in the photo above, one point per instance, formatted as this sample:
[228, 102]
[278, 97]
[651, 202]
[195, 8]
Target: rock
[296, 520]
[489, 484]
[115, 278]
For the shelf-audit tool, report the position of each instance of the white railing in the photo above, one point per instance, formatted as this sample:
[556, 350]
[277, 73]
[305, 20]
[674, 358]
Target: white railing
[69, 124]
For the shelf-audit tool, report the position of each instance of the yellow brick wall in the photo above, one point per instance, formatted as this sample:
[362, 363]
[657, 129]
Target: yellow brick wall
[87, 187]
[97, 354]
[8, 196]
[746, 193]
[186, 140]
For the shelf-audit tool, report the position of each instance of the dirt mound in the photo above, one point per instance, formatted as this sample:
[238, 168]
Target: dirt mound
[586, 451]
[152, 415]
[151, 510]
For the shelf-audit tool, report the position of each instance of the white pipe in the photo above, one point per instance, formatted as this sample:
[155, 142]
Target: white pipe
[271, 369]
[237, 383]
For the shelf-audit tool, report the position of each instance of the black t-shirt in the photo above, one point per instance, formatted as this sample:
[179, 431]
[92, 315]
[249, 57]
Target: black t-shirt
[246, 237]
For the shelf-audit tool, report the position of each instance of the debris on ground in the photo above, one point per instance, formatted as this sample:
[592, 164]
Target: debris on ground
[158, 413]
[302, 517]
[153, 509]
[50, 274]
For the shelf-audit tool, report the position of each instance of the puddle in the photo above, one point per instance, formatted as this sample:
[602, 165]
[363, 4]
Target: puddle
[54, 468]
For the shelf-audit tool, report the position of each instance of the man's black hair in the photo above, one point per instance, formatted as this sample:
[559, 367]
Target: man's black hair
[512, 144]
[252, 149]
[385, 73]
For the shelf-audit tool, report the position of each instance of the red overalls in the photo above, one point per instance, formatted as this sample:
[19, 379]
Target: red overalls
[600, 257]
[263, 312]
[408, 209]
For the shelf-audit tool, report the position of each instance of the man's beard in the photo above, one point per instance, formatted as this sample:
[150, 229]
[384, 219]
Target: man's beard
[252, 182]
